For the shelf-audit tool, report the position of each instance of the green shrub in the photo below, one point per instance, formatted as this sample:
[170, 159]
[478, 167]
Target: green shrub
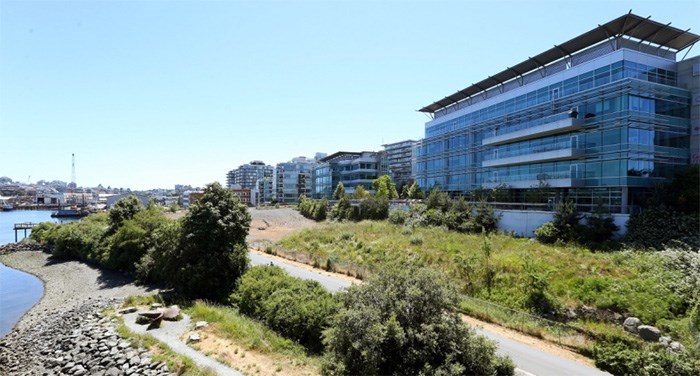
[81, 240]
[297, 309]
[619, 359]
[320, 210]
[538, 298]
[397, 216]
[342, 210]
[433, 217]
[44, 233]
[401, 322]
[566, 220]
[163, 242]
[660, 227]
[694, 324]
[123, 210]
[547, 233]
[458, 218]
[485, 218]
[437, 200]
[600, 226]
[375, 208]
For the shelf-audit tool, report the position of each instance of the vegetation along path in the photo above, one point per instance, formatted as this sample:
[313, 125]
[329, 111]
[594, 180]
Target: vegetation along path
[531, 359]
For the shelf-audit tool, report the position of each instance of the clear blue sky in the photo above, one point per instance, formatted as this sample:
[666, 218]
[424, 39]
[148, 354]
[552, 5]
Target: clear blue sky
[151, 94]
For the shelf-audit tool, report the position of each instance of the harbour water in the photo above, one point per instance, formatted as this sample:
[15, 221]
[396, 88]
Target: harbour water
[19, 291]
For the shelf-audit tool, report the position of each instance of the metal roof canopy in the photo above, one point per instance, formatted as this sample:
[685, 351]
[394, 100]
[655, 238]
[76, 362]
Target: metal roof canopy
[631, 25]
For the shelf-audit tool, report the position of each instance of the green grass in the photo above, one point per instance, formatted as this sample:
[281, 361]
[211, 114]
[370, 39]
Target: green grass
[228, 323]
[631, 283]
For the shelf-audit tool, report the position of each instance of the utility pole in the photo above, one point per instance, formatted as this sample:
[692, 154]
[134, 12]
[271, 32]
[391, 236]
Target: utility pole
[72, 175]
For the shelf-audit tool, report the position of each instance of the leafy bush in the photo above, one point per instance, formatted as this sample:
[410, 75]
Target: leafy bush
[397, 216]
[339, 191]
[375, 208]
[537, 295]
[313, 209]
[485, 217]
[163, 241]
[694, 324]
[547, 233]
[123, 210]
[212, 253]
[565, 226]
[566, 220]
[384, 187]
[81, 240]
[660, 226]
[414, 192]
[600, 227]
[297, 309]
[44, 232]
[619, 359]
[438, 200]
[401, 323]
[458, 218]
[342, 210]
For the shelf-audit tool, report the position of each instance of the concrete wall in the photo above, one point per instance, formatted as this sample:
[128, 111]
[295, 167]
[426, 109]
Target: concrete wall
[524, 222]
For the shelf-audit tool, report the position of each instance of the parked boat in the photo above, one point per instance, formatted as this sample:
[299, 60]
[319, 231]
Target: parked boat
[69, 213]
[8, 208]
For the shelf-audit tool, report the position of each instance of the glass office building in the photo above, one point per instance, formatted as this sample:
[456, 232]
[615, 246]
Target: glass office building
[294, 179]
[600, 119]
[350, 168]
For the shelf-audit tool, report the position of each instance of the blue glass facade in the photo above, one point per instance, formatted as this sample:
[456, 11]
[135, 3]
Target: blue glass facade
[608, 128]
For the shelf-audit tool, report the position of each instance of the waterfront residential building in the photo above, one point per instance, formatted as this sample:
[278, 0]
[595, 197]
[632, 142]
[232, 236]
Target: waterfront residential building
[247, 175]
[243, 195]
[293, 179]
[350, 168]
[264, 191]
[399, 156]
[600, 118]
[190, 197]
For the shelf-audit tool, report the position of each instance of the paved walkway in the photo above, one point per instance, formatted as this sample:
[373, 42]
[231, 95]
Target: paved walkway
[170, 333]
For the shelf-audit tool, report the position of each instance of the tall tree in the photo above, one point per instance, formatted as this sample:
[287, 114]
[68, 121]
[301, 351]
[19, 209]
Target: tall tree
[384, 187]
[212, 254]
[339, 191]
[414, 192]
[360, 192]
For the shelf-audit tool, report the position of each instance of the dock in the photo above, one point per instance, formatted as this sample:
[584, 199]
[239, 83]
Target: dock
[23, 226]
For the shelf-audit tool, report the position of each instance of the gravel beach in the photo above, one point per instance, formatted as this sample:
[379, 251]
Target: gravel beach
[64, 333]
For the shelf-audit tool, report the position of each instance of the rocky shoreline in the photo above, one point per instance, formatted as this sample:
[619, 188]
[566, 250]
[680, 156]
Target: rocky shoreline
[65, 333]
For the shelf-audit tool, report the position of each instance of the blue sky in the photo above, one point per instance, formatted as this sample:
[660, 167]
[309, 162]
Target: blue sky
[150, 94]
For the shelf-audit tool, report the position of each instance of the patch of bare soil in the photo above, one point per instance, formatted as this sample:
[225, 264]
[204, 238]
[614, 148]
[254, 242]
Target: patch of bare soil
[248, 361]
[271, 225]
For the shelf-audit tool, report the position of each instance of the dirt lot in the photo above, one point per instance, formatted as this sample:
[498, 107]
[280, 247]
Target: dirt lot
[268, 225]
[271, 225]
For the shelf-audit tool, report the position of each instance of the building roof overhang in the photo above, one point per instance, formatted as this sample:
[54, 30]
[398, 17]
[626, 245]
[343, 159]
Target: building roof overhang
[630, 25]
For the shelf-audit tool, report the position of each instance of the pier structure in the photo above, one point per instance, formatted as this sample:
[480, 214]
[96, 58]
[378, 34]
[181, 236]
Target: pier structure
[23, 226]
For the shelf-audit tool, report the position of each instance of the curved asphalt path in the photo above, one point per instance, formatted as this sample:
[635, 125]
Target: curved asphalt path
[528, 359]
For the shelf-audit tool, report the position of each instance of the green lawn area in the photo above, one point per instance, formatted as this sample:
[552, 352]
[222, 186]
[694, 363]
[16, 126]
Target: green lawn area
[629, 283]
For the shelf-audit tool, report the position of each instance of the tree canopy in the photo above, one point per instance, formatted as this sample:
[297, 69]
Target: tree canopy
[212, 253]
[384, 187]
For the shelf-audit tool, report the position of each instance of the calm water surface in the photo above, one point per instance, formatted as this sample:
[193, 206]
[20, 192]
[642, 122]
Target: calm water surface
[18, 291]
